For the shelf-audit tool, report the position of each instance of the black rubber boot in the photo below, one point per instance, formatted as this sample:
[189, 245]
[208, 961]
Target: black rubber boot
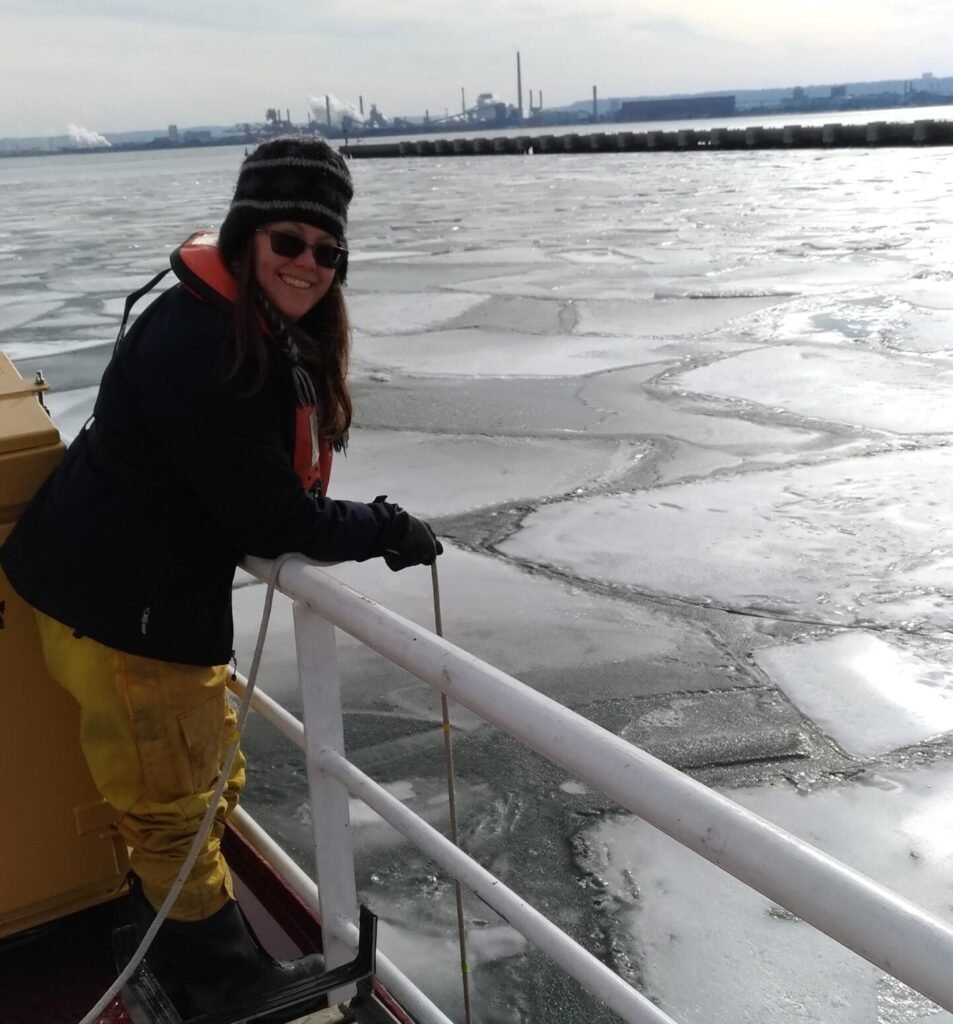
[215, 963]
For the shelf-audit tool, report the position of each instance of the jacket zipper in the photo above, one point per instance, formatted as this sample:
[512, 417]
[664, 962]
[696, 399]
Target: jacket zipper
[147, 610]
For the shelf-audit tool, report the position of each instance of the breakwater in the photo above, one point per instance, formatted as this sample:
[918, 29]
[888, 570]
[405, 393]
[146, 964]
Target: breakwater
[827, 136]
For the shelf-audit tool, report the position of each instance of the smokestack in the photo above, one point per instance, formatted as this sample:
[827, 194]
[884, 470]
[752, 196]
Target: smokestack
[327, 104]
[519, 88]
[463, 100]
[360, 101]
[288, 114]
[540, 99]
[595, 105]
[531, 101]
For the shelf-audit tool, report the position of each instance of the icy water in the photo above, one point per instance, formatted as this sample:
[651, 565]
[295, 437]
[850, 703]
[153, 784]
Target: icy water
[683, 421]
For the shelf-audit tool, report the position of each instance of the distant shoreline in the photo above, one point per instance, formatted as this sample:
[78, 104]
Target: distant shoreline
[424, 130]
[123, 147]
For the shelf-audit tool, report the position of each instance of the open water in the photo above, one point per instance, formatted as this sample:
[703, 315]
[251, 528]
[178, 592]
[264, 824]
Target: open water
[684, 423]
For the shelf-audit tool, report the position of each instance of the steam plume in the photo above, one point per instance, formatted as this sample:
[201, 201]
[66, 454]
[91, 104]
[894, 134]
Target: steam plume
[83, 138]
[339, 109]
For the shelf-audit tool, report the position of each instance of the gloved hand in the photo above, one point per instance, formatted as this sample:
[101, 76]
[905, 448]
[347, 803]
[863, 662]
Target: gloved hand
[412, 542]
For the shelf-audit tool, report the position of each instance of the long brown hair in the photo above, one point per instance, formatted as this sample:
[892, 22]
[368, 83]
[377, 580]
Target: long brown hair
[323, 348]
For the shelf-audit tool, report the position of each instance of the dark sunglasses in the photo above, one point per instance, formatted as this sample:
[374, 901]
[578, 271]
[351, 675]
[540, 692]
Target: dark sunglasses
[283, 243]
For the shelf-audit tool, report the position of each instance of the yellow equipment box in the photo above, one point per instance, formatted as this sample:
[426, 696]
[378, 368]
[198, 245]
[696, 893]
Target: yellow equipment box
[59, 851]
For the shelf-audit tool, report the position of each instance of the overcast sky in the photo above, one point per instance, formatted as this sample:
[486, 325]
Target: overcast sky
[117, 65]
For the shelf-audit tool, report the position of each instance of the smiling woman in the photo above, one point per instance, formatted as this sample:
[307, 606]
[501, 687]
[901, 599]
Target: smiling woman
[212, 439]
[295, 266]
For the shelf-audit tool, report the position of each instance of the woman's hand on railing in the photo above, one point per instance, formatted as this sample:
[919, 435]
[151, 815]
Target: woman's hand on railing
[413, 543]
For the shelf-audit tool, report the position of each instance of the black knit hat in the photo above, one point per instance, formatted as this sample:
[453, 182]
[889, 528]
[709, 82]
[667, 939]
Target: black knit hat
[287, 179]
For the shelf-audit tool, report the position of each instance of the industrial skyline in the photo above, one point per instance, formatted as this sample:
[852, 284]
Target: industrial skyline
[338, 118]
[115, 65]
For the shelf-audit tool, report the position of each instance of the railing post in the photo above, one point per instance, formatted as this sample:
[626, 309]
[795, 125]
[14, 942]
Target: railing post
[330, 817]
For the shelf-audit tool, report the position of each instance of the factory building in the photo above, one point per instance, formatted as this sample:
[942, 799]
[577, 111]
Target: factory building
[680, 107]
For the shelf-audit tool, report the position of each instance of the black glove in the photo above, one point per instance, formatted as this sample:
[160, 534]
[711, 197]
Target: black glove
[412, 542]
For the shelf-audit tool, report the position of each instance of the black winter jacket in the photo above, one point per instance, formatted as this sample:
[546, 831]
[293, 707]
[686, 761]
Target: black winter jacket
[134, 539]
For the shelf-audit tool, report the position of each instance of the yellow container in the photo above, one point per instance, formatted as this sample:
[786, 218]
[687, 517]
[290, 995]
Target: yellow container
[59, 851]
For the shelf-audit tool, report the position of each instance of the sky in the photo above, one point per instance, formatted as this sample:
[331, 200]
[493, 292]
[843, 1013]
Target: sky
[121, 65]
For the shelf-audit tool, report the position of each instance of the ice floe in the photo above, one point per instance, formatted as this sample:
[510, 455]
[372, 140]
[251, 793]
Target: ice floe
[403, 313]
[870, 695]
[481, 256]
[483, 353]
[16, 314]
[900, 394]
[449, 474]
[116, 284]
[712, 951]
[875, 320]
[836, 542]
[567, 281]
[373, 255]
[627, 408]
[663, 317]
[34, 349]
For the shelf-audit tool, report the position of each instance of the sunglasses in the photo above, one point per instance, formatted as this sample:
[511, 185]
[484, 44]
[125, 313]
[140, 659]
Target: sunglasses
[283, 243]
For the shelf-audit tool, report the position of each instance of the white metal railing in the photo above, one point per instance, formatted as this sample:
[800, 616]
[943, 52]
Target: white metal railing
[884, 928]
[397, 983]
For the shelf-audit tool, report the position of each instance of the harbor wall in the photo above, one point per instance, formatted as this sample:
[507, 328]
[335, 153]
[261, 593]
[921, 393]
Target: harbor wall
[828, 136]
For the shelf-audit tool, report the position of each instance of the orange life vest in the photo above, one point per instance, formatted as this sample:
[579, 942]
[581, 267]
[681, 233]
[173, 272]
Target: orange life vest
[198, 264]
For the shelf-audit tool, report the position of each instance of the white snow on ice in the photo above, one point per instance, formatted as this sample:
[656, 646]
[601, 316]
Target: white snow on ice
[447, 474]
[516, 255]
[32, 349]
[481, 353]
[901, 394]
[861, 539]
[662, 317]
[394, 313]
[713, 951]
[874, 320]
[870, 695]
[17, 314]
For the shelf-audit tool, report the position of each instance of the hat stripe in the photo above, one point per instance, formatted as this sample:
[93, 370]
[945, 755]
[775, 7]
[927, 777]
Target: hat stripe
[296, 161]
[290, 205]
[287, 179]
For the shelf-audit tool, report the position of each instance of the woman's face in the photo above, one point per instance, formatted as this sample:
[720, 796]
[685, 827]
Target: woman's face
[293, 285]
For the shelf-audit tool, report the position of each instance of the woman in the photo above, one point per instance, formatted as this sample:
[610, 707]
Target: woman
[211, 439]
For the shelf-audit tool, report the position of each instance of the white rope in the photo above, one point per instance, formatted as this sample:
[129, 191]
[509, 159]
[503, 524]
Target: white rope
[93, 1016]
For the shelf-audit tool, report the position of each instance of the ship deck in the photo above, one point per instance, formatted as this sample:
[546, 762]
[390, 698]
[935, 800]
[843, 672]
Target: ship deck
[55, 973]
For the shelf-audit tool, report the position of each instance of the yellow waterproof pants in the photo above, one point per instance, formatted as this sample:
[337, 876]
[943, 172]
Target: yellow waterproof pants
[154, 734]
